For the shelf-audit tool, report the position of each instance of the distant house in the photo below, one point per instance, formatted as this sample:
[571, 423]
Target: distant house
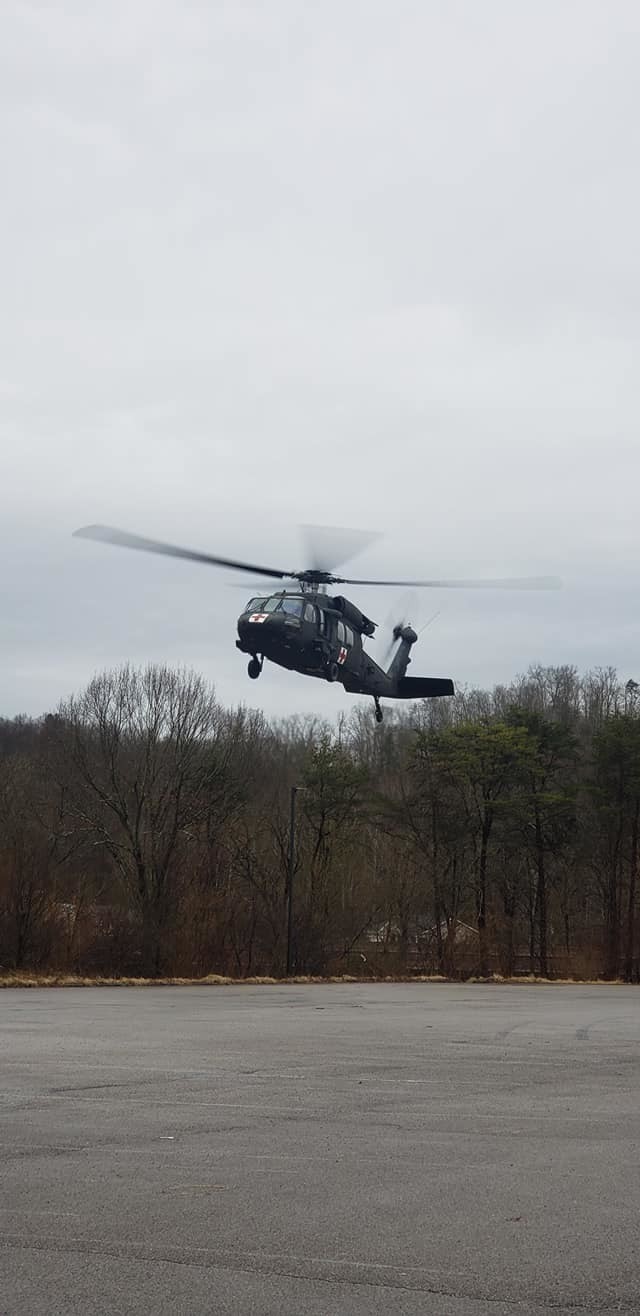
[421, 933]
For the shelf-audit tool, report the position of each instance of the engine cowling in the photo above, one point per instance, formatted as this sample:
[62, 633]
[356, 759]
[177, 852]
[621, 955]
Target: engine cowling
[353, 615]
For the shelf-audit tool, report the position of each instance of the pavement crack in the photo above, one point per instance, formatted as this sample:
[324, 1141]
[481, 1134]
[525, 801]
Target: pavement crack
[305, 1269]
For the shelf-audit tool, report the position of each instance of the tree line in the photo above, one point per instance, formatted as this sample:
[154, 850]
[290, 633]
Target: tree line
[145, 830]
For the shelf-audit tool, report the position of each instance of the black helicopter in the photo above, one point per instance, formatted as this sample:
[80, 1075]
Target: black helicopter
[307, 630]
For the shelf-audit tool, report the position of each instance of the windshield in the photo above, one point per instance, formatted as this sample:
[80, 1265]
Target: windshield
[279, 603]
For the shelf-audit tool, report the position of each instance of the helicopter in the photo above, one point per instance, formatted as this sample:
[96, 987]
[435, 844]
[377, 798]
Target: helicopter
[306, 629]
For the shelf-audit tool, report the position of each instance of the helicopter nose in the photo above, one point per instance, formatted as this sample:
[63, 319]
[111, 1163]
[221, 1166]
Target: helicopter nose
[253, 623]
[258, 626]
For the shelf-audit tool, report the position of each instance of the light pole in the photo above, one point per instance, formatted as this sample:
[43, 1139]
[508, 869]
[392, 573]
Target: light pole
[292, 852]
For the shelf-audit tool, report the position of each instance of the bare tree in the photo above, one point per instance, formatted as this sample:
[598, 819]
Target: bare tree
[30, 856]
[148, 766]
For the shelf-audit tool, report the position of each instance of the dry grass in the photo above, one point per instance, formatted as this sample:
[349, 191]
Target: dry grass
[210, 980]
[529, 980]
[220, 980]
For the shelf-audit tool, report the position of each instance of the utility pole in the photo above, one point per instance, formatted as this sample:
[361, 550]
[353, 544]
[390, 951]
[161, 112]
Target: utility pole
[292, 854]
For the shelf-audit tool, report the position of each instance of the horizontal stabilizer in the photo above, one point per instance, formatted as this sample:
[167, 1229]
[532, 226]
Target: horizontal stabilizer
[424, 687]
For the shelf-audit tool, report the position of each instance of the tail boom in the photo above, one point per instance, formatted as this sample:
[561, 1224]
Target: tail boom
[423, 687]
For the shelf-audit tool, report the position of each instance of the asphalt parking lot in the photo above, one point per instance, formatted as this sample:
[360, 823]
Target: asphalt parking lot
[366, 1150]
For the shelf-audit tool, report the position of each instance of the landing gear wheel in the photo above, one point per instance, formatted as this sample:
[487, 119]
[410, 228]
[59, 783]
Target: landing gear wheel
[379, 713]
[333, 671]
[254, 669]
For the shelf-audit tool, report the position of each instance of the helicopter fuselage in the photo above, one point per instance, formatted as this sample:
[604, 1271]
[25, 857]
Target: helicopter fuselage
[319, 635]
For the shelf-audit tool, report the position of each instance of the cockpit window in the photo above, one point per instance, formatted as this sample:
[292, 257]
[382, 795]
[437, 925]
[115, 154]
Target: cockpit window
[278, 603]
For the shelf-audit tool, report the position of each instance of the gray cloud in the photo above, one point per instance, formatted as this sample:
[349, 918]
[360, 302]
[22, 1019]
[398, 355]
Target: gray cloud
[371, 265]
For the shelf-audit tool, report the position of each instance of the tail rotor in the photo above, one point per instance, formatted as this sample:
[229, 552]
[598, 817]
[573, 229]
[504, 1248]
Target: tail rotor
[394, 628]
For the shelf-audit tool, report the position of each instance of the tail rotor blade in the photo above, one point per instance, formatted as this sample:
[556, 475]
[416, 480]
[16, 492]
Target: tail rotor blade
[403, 613]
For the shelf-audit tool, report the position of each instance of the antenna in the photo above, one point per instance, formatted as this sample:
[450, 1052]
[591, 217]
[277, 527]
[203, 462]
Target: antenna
[428, 623]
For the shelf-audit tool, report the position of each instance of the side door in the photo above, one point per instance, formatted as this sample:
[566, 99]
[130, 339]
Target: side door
[314, 634]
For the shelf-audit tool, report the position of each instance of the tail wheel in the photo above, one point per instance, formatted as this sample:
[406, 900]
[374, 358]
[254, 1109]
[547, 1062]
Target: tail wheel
[333, 671]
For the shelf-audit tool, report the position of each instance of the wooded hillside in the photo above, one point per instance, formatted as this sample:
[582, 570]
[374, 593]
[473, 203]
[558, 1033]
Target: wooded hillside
[145, 830]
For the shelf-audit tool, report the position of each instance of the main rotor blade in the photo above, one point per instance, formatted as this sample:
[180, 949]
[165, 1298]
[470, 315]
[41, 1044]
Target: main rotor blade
[123, 539]
[258, 587]
[522, 582]
[329, 546]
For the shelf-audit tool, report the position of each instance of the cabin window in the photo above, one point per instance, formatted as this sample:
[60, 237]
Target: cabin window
[340, 633]
[310, 613]
[349, 635]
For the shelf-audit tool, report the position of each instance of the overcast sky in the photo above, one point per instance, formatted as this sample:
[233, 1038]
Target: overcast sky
[372, 264]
